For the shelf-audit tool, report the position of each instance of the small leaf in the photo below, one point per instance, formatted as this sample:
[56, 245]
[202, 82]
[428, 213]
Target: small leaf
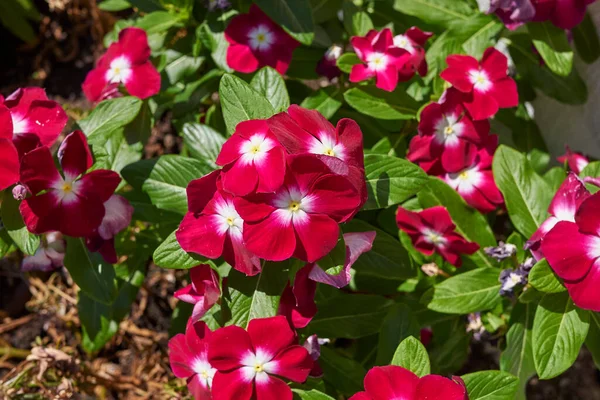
[491, 385]
[552, 44]
[158, 22]
[559, 330]
[586, 40]
[544, 279]
[241, 103]
[469, 292]
[110, 115]
[271, 85]
[411, 354]
[203, 142]
[361, 23]
[114, 5]
[170, 255]
[347, 61]
[380, 104]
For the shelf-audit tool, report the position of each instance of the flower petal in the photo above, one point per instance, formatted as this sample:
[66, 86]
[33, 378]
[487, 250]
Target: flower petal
[228, 346]
[118, 213]
[240, 178]
[495, 64]
[231, 385]
[75, 155]
[99, 184]
[293, 363]
[435, 387]
[135, 42]
[94, 84]
[180, 357]
[505, 93]
[9, 164]
[584, 292]
[387, 79]
[200, 191]
[201, 234]
[144, 81]
[270, 335]
[317, 236]
[38, 171]
[272, 238]
[272, 388]
[587, 217]
[360, 72]
[391, 382]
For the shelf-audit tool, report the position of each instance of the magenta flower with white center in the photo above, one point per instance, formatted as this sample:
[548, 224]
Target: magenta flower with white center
[300, 219]
[252, 160]
[380, 58]
[188, 356]
[432, 231]
[127, 63]
[213, 226]
[250, 362]
[72, 203]
[413, 41]
[256, 41]
[563, 207]
[203, 292]
[483, 87]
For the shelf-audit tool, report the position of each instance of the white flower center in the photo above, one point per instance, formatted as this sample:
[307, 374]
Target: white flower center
[292, 205]
[328, 147]
[466, 180]
[480, 80]
[258, 366]
[261, 38]
[20, 123]
[377, 61]
[204, 371]
[448, 129]
[229, 219]
[255, 149]
[403, 42]
[434, 237]
[119, 70]
[66, 190]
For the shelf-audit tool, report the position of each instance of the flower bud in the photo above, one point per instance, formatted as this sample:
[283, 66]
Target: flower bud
[20, 192]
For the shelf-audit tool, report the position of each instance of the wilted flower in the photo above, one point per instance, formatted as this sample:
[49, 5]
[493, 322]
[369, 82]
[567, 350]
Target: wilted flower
[327, 65]
[475, 325]
[203, 291]
[49, 256]
[213, 5]
[20, 192]
[576, 161]
[502, 251]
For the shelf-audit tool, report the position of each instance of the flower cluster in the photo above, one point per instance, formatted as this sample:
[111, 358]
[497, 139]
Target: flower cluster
[389, 59]
[237, 363]
[392, 382]
[127, 63]
[570, 241]
[454, 141]
[285, 186]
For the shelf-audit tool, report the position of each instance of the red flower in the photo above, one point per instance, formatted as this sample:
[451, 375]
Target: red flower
[297, 302]
[573, 251]
[392, 382]
[565, 14]
[563, 207]
[256, 41]
[188, 356]
[302, 131]
[412, 41]
[253, 160]
[485, 86]
[475, 183]
[126, 62]
[203, 292]
[247, 361]
[300, 219]
[213, 227]
[9, 158]
[116, 218]
[381, 57]
[432, 230]
[73, 204]
[576, 161]
[448, 138]
[327, 65]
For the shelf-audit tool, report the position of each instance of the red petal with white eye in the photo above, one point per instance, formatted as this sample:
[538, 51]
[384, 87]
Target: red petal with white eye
[228, 346]
[361, 72]
[317, 236]
[75, 155]
[273, 238]
[232, 385]
[144, 81]
[495, 64]
[203, 234]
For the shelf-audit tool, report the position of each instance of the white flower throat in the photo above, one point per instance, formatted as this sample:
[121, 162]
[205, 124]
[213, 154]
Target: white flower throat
[119, 70]
[261, 38]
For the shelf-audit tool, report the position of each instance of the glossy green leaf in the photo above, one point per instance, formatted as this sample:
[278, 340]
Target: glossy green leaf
[559, 330]
[437, 12]
[241, 103]
[361, 23]
[202, 142]
[170, 255]
[27, 242]
[114, 5]
[552, 44]
[326, 101]
[271, 85]
[110, 115]
[294, 16]
[158, 22]
[311, 395]
[586, 40]
[544, 279]
[412, 355]
[380, 104]
[491, 385]
[465, 293]
[347, 61]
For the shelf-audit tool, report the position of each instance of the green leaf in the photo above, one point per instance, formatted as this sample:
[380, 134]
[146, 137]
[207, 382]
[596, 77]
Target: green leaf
[271, 85]
[180, 66]
[412, 355]
[448, 351]
[592, 341]
[165, 179]
[14, 18]
[569, 90]
[311, 395]
[491, 385]
[97, 323]
[27, 242]
[586, 40]
[469, 222]
[472, 291]
[110, 115]
[256, 296]
[170, 255]
[559, 330]
[517, 358]
[544, 279]
[361, 23]
[294, 16]
[476, 33]
[391, 180]
[527, 195]
[380, 104]
[398, 325]
[552, 44]
[387, 259]
[326, 101]
[89, 271]
[347, 61]
[241, 103]
[202, 142]
[343, 373]
[157, 22]
[350, 316]
[114, 5]
[437, 12]
[592, 170]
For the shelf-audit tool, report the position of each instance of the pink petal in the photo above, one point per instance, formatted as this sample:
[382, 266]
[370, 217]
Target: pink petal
[584, 292]
[197, 389]
[298, 303]
[144, 81]
[569, 252]
[272, 239]
[94, 84]
[197, 336]
[241, 58]
[423, 148]
[437, 218]
[568, 198]
[291, 136]
[99, 185]
[360, 72]
[201, 234]
[588, 218]
[231, 149]
[351, 137]
[535, 241]
[313, 122]
[135, 42]
[228, 346]
[180, 357]
[118, 213]
[335, 197]
[271, 171]
[294, 363]
[482, 105]
[462, 62]
[495, 64]
[361, 396]
[272, 389]
[38, 171]
[568, 13]
[6, 125]
[383, 40]
[9, 164]
[391, 382]
[79, 218]
[409, 221]
[362, 46]
[418, 36]
[187, 294]
[75, 155]
[201, 191]
[435, 387]
[239, 257]
[316, 237]
[240, 178]
[271, 335]
[459, 156]
[505, 93]
[254, 208]
[44, 222]
[231, 385]
[387, 79]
